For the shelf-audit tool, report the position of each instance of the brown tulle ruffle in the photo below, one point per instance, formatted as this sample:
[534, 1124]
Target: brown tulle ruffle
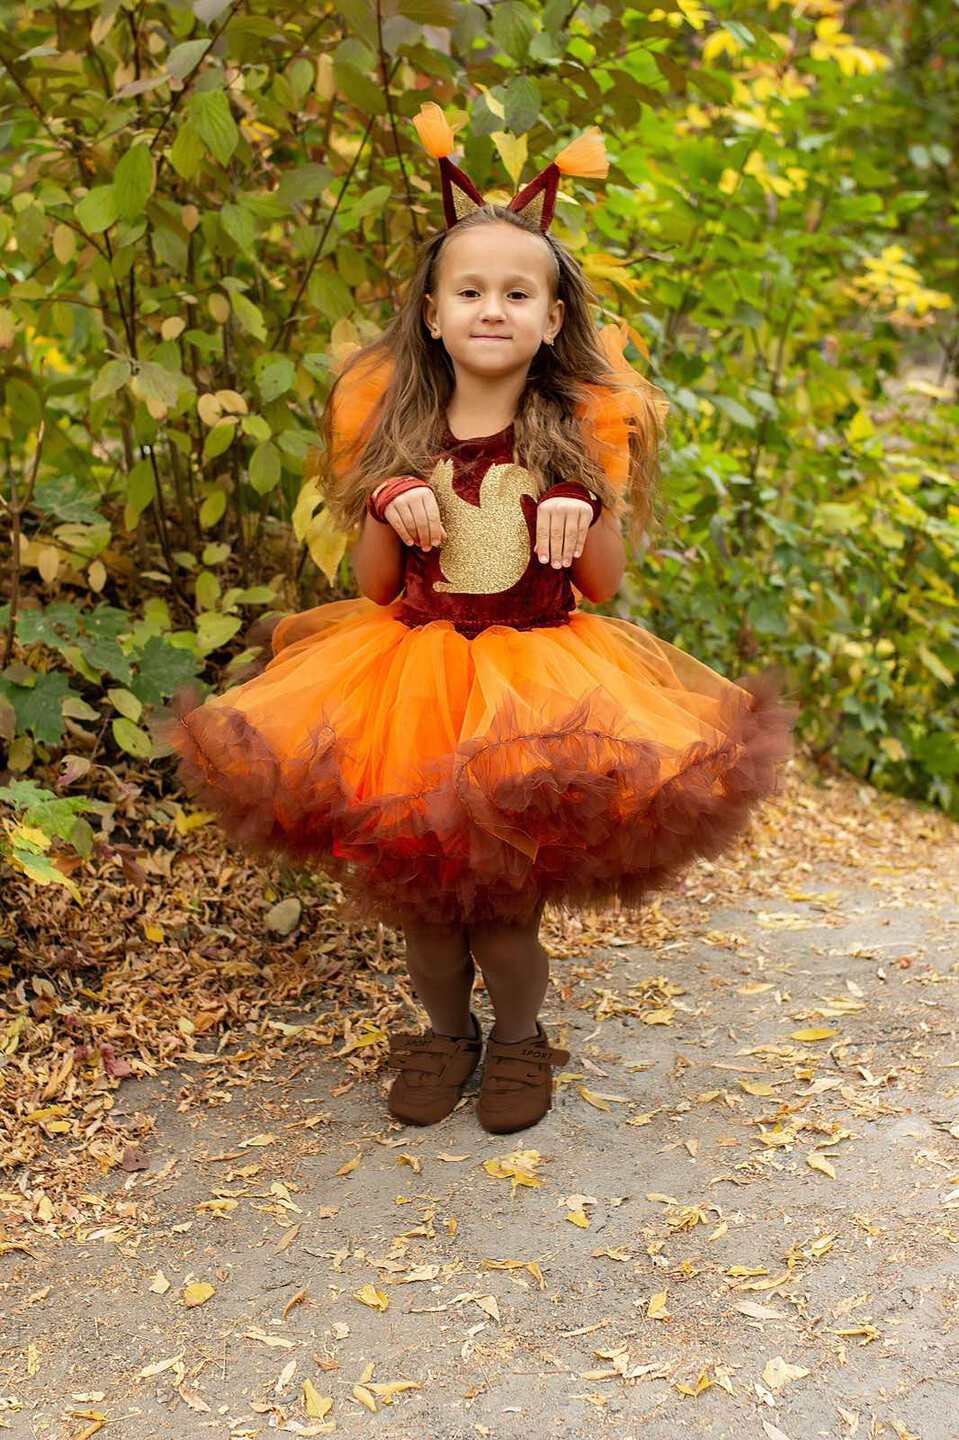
[573, 816]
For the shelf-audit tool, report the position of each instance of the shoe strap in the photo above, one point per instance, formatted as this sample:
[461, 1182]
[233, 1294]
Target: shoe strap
[427, 1054]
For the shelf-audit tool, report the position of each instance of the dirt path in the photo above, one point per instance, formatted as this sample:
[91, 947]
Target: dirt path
[741, 1218]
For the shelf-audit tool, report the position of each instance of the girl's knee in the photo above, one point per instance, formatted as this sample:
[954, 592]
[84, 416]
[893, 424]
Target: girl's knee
[504, 947]
[436, 947]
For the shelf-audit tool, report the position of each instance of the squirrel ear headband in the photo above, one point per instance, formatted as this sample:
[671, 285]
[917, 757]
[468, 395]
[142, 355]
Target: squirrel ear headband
[585, 157]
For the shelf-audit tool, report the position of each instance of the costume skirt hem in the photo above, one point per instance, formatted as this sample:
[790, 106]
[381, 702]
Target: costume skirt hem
[569, 813]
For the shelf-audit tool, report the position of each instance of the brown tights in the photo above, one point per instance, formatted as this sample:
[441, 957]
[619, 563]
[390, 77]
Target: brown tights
[440, 959]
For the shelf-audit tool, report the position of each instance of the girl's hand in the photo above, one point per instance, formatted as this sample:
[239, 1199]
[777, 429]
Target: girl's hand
[562, 525]
[415, 516]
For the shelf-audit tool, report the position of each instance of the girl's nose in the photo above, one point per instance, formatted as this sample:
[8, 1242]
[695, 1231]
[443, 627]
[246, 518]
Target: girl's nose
[493, 308]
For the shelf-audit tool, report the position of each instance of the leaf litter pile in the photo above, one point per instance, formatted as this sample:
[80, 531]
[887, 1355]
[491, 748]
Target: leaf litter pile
[187, 955]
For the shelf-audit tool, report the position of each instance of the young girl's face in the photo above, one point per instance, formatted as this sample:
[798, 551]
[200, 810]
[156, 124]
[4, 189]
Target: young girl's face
[493, 303]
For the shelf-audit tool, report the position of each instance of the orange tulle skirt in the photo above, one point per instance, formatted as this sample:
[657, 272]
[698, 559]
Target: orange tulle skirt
[448, 779]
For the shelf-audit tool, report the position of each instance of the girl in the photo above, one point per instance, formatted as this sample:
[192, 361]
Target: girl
[461, 743]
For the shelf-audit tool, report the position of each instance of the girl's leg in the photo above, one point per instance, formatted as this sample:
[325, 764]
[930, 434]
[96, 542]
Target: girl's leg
[441, 968]
[516, 971]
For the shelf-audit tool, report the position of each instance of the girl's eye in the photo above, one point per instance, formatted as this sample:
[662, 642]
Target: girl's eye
[521, 293]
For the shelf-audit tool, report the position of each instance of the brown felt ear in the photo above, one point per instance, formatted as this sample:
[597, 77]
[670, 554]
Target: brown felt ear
[537, 200]
[460, 195]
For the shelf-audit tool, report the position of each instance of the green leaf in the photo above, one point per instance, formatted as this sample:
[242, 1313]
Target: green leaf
[212, 508]
[131, 738]
[207, 590]
[97, 211]
[302, 182]
[141, 488]
[133, 181]
[214, 630]
[265, 467]
[38, 705]
[210, 112]
[126, 702]
[524, 103]
[330, 296]
[256, 427]
[429, 12]
[935, 666]
[161, 668]
[240, 226]
[68, 498]
[248, 315]
[359, 89]
[110, 377]
[513, 28]
[187, 151]
[734, 411]
[219, 439]
[155, 382]
[184, 58]
[276, 378]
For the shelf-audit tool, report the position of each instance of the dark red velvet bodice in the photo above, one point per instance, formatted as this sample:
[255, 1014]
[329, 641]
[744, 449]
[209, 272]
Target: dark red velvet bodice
[486, 572]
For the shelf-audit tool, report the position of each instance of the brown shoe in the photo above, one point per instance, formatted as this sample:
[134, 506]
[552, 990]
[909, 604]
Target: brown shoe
[433, 1070]
[517, 1087]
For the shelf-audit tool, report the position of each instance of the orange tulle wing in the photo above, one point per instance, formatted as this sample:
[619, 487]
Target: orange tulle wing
[355, 403]
[448, 779]
[609, 416]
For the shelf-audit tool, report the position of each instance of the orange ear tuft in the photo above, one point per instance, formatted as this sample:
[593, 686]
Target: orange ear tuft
[434, 130]
[585, 157]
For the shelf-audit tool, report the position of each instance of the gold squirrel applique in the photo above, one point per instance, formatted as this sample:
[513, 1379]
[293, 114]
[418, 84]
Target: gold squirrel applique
[487, 546]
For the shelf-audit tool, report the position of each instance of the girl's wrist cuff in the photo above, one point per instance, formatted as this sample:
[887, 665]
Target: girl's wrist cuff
[385, 494]
[576, 491]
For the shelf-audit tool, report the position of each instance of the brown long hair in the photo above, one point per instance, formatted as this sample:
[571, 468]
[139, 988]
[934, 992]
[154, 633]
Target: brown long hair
[406, 428]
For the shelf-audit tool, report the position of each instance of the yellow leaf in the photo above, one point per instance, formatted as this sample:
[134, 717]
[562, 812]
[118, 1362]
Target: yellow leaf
[158, 1367]
[578, 1217]
[487, 1303]
[369, 1295]
[819, 1162]
[326, 545]
[352, 1164]
[757, 1087]
[197, 1294]
[656, 1310]
[588, 1095]
[658, 1017]
[513, 150]
[817, 1032]
[779, 1372]
[317, 1406]
[220, 1205]
[387, 1389]
[159, 1284]
[703, 1383]
[518, 1166]
[154, 932]
[361, 1393]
